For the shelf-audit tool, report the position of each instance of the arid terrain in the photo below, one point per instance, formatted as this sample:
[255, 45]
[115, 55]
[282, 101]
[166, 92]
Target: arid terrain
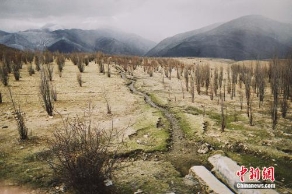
[161, 127]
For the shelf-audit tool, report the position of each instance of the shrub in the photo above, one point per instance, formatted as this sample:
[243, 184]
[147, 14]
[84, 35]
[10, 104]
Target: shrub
[83, 160]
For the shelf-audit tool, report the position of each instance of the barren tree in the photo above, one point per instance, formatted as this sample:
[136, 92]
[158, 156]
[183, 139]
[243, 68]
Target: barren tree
[247, 82]
[193, 87]
[215, 80]
[79, 79]
[186, 76]
[22, 129]
[39, 61]
[108, 107]
[30, 69]
[46, 93]
[60, 62]
[223, 116]
[80, 65]
[198, 79]
[275, 90]
[16, 66]
[48, 69]
[4, 76]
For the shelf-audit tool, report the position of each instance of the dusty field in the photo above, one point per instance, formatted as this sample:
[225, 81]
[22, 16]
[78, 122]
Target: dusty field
[154, 169]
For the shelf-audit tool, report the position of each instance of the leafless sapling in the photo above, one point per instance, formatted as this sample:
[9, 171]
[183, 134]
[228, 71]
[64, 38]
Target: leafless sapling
[46, 92]
[22, 129]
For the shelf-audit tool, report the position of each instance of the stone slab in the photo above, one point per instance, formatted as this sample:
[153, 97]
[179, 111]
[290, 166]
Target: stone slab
[207, 179]
[225, 169]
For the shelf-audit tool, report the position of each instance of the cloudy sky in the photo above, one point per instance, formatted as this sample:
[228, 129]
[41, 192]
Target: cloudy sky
[152, 19]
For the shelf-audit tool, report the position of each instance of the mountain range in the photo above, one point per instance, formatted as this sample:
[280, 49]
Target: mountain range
[76, 40]
[247, 37]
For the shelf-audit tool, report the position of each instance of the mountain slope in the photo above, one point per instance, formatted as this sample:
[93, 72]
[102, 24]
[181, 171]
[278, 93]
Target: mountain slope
[248, 37]
[76, 40]
[168, 43]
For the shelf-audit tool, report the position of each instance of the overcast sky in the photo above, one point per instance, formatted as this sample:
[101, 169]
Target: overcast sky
[152, 19]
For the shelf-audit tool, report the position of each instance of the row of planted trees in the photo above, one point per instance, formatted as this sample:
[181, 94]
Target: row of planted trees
[84, 156]
[270, 80]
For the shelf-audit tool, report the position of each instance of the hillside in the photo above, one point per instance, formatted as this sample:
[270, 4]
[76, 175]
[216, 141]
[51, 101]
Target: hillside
[77, 40]
[248, 37]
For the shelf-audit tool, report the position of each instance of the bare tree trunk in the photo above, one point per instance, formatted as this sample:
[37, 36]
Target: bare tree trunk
[182, 89]
[193, 87]
[223, 117]
[186, 75]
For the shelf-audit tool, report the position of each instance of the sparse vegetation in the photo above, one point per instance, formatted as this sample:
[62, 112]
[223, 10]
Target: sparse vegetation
[204, 96]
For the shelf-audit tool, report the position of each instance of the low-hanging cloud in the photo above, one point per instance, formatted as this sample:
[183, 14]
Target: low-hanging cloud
[152, 19]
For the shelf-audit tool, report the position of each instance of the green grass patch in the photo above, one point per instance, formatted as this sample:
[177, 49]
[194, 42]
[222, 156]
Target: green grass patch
[157, 100]
[230, 119]
[193, 110]
[148, 137]
[184, 124]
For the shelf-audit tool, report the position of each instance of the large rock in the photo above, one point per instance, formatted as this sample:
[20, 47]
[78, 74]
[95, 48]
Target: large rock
[225, 169]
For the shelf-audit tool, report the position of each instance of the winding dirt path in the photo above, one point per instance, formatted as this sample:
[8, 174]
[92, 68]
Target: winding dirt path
[182, 153]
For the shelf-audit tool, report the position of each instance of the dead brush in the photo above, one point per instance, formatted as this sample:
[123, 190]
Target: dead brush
[85, 156]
